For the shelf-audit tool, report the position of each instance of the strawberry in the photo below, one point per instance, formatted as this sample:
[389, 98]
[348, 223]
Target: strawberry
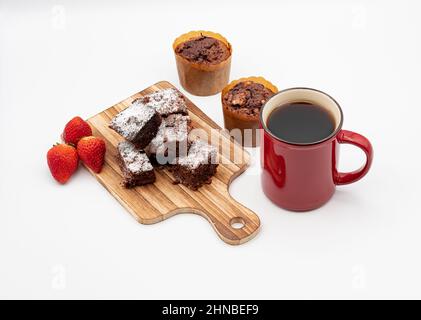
[76, 129]
[63, 161]
[91, 151]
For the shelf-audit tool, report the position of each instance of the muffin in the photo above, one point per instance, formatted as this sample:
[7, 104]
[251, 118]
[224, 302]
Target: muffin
[203, 62]
[241, 103]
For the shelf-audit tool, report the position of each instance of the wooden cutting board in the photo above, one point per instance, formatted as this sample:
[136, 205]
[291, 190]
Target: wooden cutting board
[156, 202]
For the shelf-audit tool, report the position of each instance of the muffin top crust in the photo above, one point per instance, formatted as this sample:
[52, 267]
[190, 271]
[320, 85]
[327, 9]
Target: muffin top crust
[203, 49]
[247, 97]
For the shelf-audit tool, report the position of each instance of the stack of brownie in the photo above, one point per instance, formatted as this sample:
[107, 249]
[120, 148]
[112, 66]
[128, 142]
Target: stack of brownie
[156, 128]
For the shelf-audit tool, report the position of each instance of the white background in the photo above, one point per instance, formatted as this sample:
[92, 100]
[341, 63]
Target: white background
[59, 59]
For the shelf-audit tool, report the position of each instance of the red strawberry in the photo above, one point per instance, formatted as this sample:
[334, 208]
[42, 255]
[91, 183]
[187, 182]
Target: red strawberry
[63, 161]
[91, 151]
[76, 129]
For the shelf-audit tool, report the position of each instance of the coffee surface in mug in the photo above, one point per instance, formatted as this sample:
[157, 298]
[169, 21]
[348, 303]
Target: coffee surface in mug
[301, 122]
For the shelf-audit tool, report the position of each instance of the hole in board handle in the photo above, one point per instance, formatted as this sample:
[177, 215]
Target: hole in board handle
[237, 223]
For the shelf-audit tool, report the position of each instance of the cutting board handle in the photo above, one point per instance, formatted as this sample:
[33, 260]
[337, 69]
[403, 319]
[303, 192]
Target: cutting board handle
[236, 225]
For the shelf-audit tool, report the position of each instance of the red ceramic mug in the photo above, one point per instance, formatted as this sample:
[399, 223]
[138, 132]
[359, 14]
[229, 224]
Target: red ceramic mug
[303, 177]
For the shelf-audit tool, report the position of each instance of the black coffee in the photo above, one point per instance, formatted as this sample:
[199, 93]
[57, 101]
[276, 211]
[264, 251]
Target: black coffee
[300, 122]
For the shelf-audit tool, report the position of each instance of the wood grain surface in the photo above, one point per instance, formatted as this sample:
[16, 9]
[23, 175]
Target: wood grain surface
[156, 202]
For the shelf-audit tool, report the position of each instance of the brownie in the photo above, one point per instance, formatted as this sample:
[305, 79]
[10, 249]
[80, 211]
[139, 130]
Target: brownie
[247, 97]
[171, 140]
[198, 167]
[165, 102]
[135, 165]
[203, 49]
[138, 124]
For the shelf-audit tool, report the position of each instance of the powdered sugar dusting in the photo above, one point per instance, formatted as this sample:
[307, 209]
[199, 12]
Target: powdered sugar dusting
[174, 129]
[200, 152]
[165, 101]
[130, 121]
[135, 160]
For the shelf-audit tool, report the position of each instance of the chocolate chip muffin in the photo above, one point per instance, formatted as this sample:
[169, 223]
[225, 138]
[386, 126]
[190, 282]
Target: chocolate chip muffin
[203, 62]
[241, 101]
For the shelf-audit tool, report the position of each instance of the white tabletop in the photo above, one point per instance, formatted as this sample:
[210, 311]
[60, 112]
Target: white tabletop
[59, 59]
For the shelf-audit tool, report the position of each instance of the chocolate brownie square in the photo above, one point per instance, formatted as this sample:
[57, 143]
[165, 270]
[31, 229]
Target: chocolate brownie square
[135, 165]
[165, 102]
[198, 167]
[171, 141]
[138, 124]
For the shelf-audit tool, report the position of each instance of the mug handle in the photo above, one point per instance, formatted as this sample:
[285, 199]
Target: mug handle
[361, 142]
